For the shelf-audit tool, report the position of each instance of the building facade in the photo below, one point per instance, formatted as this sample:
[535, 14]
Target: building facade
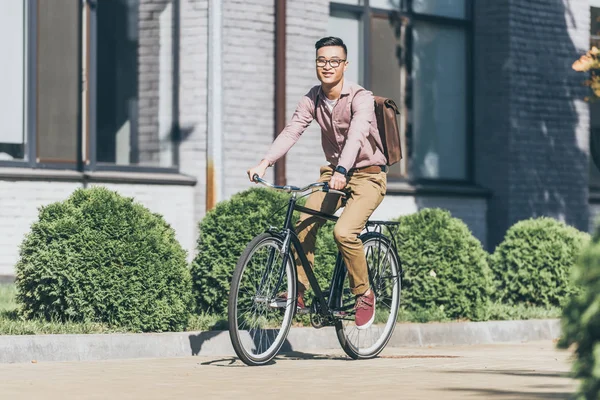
[171, 101]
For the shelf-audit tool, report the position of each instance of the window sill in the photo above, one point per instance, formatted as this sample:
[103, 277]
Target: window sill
[594, 196]
[437, 189]
[147, 178]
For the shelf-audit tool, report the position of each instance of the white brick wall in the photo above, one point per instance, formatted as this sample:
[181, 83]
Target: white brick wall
[193, 77]
[19, 202]
[472, 211]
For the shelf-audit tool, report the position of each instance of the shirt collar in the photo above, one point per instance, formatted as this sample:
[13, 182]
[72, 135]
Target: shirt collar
[345, 89]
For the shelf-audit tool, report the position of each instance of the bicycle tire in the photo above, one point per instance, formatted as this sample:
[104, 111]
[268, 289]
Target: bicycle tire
[236, 335]
[349, 348]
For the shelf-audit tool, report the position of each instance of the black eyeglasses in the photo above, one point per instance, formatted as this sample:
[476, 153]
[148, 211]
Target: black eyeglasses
[321, 62]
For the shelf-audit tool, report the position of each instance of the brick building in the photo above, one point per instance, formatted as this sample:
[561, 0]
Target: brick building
[171, 101]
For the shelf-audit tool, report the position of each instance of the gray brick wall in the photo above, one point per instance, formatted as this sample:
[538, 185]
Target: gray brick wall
[531, 127]
[248, 87]
[306, 23]
[193, 77]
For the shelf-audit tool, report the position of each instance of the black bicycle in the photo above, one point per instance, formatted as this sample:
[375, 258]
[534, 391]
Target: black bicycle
[259, 321]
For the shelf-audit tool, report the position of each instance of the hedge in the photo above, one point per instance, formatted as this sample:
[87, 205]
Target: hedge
[581, 321]
[445, 267]
[534, 262]
[100, 257]
[225, 232]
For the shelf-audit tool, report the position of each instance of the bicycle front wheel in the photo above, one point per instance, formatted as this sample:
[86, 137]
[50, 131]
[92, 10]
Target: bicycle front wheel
[262, 300]
[384, 278]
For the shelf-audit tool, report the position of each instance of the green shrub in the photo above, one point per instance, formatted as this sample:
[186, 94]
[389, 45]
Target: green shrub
[100, 257]
[581, 321]
[445, 268]
[533, 264]
[225, 232]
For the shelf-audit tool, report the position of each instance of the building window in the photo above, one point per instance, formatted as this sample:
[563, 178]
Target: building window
[101, 75]
[418, 56]
[13, 139]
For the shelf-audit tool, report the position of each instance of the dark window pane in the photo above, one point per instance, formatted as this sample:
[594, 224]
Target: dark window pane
[348, 27]
[387, 70]
[439, 76]
[12, 80]
[57, 80]
[135, 82]
[595, 109]
[595, 23]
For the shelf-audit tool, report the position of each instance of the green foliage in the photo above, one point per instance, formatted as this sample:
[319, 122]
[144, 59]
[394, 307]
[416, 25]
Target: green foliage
[581, 321]
[533, 264]
[446, 274]
[225, 232]
[99, 257]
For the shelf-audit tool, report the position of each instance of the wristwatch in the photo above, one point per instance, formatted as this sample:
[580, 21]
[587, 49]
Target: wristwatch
[341, 170]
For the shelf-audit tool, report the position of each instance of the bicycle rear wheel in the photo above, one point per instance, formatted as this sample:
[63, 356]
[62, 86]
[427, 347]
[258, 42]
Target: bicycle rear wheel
[384, 277]
[259, 318]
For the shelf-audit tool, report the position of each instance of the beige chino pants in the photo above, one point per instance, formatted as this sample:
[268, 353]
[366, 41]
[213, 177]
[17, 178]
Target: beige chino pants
[366, 191]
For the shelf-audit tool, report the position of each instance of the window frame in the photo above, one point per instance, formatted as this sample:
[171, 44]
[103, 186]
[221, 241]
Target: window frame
[365, 12]
[86, 158]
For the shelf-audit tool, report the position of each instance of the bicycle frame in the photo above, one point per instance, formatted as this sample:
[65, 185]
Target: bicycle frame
[326, 306]
[334, 298]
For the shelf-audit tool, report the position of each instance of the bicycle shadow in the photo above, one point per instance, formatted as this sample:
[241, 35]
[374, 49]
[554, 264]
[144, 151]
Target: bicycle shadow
[234, 362]
[287, 353]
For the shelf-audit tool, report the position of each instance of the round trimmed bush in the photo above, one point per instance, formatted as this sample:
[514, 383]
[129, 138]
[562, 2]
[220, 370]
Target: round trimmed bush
[446, 274]
[101, 257]
[581, 321]
[533, 264]
[225, 232]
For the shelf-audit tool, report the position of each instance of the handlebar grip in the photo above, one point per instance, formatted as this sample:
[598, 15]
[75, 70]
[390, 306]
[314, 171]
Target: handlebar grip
[255, 177]
[327, 189]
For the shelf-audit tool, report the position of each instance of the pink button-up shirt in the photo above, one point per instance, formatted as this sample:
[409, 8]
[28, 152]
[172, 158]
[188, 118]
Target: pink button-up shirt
[349, 134]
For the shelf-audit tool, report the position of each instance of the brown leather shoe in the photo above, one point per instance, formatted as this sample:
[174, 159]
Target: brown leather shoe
[365, 310]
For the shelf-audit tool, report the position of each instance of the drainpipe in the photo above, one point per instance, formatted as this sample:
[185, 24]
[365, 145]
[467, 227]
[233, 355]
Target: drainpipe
[280, 46]
[214, 143]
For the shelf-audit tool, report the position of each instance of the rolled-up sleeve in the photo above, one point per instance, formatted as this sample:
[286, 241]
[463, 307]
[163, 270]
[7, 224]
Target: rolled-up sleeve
[301, 119]
[360, 125]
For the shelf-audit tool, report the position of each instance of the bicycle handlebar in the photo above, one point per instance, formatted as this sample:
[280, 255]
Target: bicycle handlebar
[289, 188]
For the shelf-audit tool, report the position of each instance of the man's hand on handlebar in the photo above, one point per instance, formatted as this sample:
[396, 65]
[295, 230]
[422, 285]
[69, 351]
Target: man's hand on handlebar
[337, 181]
[259, 170]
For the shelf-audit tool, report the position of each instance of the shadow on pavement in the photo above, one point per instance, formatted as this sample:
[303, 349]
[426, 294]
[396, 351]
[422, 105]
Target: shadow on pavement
[510, 394]
[527, 373]
[284, 356]
[559, 390]
[196, 341]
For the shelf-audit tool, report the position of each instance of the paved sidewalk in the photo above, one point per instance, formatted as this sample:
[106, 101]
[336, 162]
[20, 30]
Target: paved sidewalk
[534, 370]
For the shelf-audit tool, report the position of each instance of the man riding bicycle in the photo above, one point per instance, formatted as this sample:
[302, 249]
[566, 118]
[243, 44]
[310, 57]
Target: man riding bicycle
[346, 114]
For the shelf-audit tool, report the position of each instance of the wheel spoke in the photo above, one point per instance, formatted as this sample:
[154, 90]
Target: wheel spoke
[261, 326]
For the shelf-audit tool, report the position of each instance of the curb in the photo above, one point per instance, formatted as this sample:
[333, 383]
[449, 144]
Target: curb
[92, 347]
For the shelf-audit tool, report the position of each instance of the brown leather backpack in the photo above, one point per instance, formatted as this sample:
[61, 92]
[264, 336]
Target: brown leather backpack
[385, 112]
[387, 124]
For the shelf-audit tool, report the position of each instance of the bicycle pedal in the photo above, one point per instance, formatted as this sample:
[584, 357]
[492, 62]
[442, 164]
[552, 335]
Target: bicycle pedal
[302, 311]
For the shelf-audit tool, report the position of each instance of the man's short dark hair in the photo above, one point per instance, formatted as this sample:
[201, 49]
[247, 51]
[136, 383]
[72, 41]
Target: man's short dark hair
[331, 41]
